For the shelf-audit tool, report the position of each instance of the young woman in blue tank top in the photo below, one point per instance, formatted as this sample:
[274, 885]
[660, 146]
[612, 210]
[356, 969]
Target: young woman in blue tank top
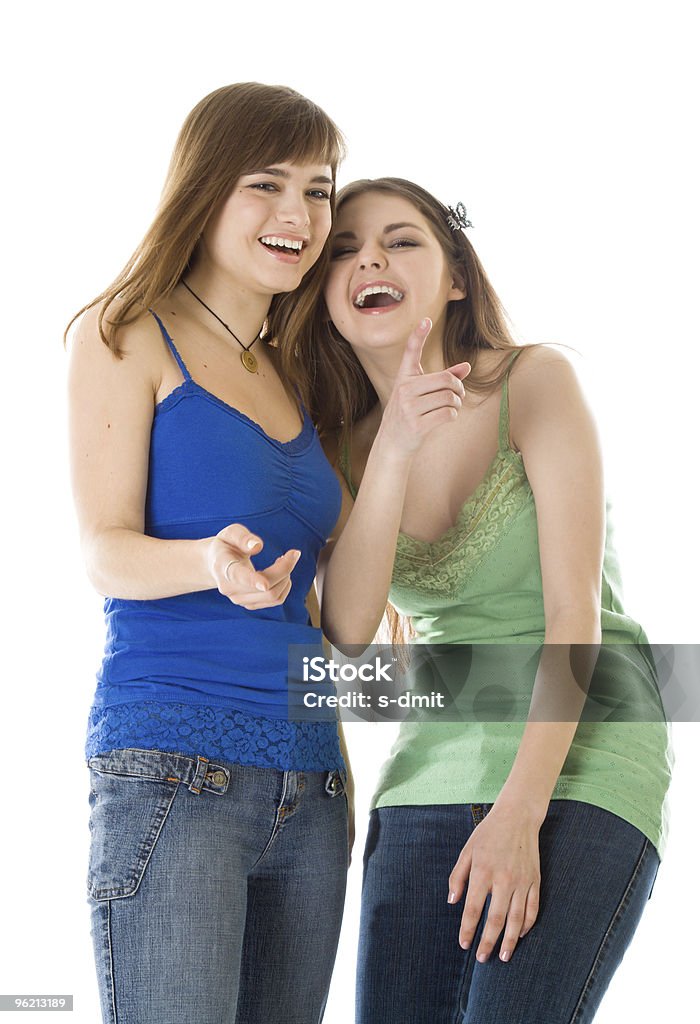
[508, 860]
[219, 825]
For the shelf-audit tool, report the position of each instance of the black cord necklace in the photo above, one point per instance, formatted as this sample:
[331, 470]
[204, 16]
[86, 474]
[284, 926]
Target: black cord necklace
[247, 357]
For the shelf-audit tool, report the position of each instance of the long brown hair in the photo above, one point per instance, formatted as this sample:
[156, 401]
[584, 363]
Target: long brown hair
[233, 130]
[342, 392]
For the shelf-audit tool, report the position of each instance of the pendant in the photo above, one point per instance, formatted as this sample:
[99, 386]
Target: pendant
[249, 361]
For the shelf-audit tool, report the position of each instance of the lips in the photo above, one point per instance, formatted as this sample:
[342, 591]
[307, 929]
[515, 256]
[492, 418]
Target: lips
[286, 248]
[376, 296]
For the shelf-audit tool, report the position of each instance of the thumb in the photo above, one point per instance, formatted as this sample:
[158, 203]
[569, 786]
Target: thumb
[238, 536]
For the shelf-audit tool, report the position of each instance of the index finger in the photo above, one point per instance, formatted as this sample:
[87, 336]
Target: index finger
[281, 567]
[410, 361]
[477, 894]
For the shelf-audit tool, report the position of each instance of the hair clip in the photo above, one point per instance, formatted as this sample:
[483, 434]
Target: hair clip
[458, 217]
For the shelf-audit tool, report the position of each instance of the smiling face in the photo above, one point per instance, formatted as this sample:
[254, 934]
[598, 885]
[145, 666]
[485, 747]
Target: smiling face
[271, 229]
[387, 272]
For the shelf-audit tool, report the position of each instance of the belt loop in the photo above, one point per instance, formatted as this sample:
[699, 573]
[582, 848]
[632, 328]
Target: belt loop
[199, 776]
[479, 812]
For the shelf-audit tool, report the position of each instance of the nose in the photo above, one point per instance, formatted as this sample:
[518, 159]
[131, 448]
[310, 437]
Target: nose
[371, 258]
[293, 209]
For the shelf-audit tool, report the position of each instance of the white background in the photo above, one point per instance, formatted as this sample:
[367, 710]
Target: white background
[567, 130]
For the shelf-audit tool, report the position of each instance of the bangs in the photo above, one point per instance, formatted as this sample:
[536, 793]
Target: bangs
[300, 133]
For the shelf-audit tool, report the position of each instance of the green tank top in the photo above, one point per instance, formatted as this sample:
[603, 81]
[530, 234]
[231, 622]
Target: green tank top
[481, 583]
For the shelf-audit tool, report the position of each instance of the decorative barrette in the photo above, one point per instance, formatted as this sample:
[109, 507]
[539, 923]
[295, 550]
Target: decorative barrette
[457, 218]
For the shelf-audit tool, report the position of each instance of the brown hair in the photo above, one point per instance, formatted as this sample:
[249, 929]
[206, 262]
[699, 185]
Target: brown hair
[342, 392]
[235, 129]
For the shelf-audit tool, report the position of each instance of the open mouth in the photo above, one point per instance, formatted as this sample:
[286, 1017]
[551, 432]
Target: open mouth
[282, 246]
[378, 296]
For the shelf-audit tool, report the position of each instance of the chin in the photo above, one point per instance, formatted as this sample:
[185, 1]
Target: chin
[383, 336]
[281, 283]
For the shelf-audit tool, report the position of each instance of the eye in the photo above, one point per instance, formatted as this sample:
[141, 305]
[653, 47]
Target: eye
[319, 193]
[337, 254]
[264, 186]
[400, 243]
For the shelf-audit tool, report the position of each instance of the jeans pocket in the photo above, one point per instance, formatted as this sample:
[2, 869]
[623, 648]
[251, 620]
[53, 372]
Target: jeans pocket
[127, 816]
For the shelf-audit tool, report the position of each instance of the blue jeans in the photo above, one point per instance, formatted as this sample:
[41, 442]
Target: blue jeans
[597, 872]
[216, 890]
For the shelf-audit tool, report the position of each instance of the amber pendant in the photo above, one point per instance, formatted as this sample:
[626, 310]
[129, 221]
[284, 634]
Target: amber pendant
[249, 361]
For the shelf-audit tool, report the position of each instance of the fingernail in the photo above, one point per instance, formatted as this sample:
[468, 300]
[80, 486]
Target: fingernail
[482, 958]
[297, 554]
[252, 542]
[426, 322]
[505, 955]
[451, 897]
[464, 944]
[260, 586]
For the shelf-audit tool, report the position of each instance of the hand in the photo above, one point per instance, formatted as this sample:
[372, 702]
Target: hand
[421, 401]
[235, 576]
[502, 858]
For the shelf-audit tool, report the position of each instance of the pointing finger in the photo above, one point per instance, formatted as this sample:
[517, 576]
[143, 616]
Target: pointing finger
[281, 567]
[410, 362]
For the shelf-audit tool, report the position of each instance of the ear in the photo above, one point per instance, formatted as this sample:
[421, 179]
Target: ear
[458, 289]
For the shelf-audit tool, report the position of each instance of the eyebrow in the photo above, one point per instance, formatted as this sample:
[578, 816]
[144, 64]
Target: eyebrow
[387, 230]
[278, 172]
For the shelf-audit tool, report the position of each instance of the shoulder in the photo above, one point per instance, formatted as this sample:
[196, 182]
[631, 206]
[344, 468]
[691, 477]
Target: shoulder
[541, 362]
[140, 351]
[541, 373]
[545, 393]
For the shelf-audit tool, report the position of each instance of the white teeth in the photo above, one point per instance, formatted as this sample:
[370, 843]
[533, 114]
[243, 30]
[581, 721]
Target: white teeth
[287, 243]
[377, 289]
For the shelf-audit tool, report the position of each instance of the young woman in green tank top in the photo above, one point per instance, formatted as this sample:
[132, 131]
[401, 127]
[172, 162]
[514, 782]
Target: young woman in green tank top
[473, 502]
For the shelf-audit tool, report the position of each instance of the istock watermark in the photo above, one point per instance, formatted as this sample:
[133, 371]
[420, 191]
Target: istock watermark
[320, 669]
[511, 682]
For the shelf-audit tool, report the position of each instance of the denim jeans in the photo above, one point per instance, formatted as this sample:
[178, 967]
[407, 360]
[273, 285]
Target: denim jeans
[216, 890]
[597, 872]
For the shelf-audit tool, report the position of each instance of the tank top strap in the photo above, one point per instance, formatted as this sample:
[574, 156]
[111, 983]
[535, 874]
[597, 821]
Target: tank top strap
[504, 444]
[171, 345]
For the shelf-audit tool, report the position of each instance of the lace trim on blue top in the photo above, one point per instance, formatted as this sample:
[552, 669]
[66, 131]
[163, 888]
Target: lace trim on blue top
[214, 732]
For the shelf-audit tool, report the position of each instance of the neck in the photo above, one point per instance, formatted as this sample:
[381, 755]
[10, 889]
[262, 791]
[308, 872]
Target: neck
[382, 365]
[242, 310]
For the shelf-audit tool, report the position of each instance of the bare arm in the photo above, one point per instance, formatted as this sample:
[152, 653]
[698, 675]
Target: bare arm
[562, 457]
[554, 430]
[111, 413]
[355, 568]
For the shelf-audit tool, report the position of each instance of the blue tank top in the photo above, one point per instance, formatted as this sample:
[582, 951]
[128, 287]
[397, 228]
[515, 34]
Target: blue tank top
[196, 674]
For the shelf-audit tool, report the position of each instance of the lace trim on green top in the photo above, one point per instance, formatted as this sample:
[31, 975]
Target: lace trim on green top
[444, 566]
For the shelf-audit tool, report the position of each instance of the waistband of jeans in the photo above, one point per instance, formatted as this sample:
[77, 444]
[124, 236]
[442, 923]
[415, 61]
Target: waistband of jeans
[197, 773]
